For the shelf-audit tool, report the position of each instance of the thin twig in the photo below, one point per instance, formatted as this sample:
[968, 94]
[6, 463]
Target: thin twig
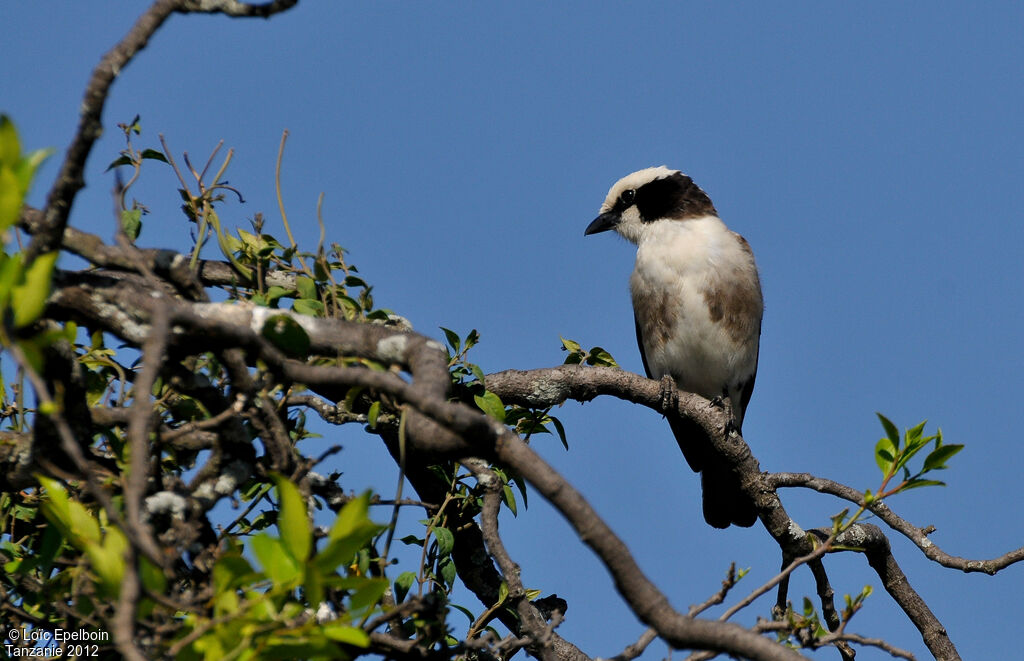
[71, 179]
[919, 536]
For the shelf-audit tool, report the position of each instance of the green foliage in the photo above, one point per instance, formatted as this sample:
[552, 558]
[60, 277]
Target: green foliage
[24, 287]
[893, 454]
[469, 378]
[89, 532]
[28, 296]
[131, 216]
[805, 629]
[270, 613]
[16, 172]
[577, 356]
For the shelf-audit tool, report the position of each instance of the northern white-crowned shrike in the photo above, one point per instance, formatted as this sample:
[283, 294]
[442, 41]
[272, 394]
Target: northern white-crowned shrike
[697, 304]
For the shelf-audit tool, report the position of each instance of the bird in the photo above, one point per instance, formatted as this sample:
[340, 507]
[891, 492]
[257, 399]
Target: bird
[697, 304]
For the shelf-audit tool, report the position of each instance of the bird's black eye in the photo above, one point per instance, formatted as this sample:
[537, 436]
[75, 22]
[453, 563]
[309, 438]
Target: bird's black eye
[627, 197]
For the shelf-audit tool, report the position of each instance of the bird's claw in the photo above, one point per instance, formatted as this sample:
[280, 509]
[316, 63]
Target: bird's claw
[725, 402]
[669, 394]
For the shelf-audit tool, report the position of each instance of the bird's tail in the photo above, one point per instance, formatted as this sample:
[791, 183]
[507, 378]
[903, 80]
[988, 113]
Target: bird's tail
[724, 502]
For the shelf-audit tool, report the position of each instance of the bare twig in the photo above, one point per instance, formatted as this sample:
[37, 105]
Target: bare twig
[71, 177]
[717, 598]
[919, 536]
[636, 649]
[749, 599]
[140, 424]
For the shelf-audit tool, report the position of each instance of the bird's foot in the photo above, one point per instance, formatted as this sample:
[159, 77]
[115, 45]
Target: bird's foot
[669, 394]
[725, 402]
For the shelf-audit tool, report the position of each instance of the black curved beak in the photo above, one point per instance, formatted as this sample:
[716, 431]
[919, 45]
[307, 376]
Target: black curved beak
[603, 223]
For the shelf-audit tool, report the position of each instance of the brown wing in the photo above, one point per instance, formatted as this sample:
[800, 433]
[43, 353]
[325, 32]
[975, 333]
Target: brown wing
[640, 343]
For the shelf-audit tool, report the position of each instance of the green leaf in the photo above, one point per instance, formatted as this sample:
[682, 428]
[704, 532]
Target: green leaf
[11, 197]
[465, 611]
[55, 492]
[118, 162]
[914, 445]
[403, 584]
[510, 500]
[491, 404]
[249, 240]
[10, 146]
[569, 345]
[355, 281]
[30, 164]
[231, 572]
[275, 292]
[107, 560]
[890, 430]
[35, 358]
[917, 482]
[83, 523]
[131, 223]
[287, 335]
[447, 568]
[308, 307]
[368, 592]
[477, 373]
[345, 634]
[914, 433]
[232, 245]
[453, 340]
[937, 458]
[352, 518]
[521, 485]
[51, 544]
[561, 431]
[371, 416]
[293, 521]
[306, 287]
[502, 592]
[599, 356]
[313, 585]
[10, 274]
[885, 455]
[29, 298]
[276, 560]
[154, 154]
[445, 541]
[351, 531]
[75, 522]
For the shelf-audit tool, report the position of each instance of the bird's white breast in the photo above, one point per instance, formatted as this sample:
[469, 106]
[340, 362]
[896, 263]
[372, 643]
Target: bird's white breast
[679, 265]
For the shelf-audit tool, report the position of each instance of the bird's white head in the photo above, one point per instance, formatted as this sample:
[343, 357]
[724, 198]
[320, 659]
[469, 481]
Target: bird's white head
[647, 196]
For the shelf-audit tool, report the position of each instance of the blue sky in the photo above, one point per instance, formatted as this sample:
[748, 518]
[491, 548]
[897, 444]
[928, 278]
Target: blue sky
[872, 156]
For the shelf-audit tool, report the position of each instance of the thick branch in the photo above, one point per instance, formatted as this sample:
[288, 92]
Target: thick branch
[236, 8]
[236, 325]
[875, 545]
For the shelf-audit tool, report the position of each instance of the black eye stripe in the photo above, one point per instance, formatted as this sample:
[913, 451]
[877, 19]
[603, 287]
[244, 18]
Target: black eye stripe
[627, 197]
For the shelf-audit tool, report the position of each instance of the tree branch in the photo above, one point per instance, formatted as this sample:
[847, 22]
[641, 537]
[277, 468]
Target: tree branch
[71, 179]
[919, 536]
